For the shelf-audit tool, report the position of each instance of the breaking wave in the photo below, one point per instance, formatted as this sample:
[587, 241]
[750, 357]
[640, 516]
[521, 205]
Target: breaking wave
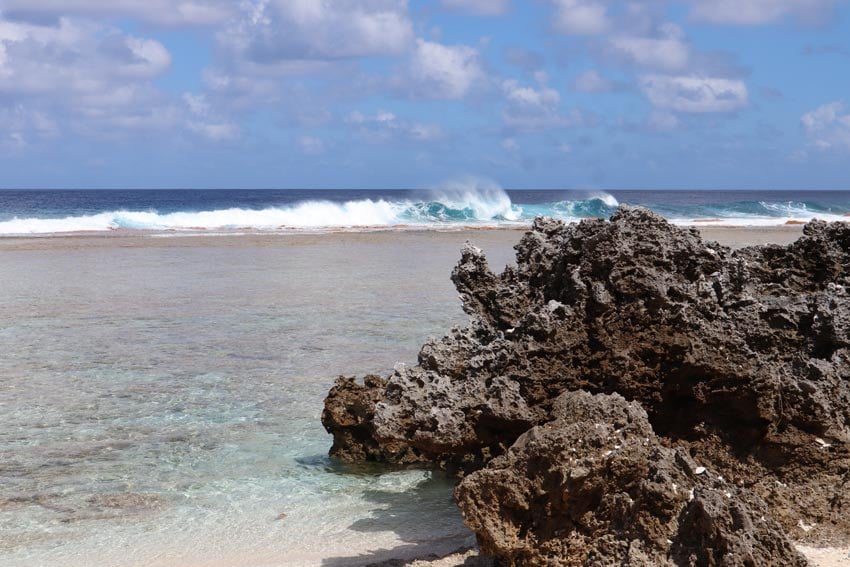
[466, 202]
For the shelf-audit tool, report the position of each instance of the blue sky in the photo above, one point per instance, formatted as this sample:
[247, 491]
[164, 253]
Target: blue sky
[687, 94]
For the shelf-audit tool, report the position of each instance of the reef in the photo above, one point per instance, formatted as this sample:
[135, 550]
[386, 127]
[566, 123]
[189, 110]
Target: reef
[630, 394]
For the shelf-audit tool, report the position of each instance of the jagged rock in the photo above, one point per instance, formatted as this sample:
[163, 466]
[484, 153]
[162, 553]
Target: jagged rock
[349, 413]
[742, 358]
[595, 487]
[730, 527]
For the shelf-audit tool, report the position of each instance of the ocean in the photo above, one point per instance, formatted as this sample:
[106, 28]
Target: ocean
[463, 204]
[160, 397]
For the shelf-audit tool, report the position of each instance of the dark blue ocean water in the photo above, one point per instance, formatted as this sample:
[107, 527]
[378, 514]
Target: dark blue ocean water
[57, 211]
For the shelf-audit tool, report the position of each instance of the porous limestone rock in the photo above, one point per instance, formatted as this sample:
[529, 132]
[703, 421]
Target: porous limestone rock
[740, 358]
[594, 487]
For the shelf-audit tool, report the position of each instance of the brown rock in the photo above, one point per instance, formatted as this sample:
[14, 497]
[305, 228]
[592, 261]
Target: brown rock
[742, 358]
[595, 487]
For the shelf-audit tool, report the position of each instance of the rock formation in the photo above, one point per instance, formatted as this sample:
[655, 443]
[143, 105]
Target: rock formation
[739, 359]
[595, 485]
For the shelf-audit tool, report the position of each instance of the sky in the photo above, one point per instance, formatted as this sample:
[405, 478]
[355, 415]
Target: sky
[582, 94]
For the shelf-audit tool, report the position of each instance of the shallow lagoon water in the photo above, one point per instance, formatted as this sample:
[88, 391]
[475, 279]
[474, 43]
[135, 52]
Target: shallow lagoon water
[160, 398]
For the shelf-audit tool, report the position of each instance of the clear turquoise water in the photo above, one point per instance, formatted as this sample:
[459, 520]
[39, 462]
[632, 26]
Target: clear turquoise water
[160, 397]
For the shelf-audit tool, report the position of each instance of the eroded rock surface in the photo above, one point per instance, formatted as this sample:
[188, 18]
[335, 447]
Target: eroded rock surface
[595, 487]
[740, 358]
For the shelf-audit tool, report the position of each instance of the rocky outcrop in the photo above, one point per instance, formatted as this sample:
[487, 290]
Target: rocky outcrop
[741, 359]
[595, 487]
[348, 415]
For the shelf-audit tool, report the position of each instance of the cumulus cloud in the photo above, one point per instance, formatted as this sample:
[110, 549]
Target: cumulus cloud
[828, 127]
[581, 17]
[756, 12]
[161, 12]
[479, 7]
[203, 121]
[531, 109]
[669, 52]
[695, 94]
[93, 78]
[529, 97]
[216, 132]
[74, 57]
[272, 31]
[21, 126]
[273, 40]
[385, 126]
[592, 17]
[445, 71]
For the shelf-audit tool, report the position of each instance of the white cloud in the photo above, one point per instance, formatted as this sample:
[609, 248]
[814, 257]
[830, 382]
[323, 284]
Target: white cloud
[385, 126]
[528, 97]
[74, 57]
[445, 71]
[272, 31]
[531, 109]
[149, 58]
[828, 127]
[197, 104]
[203, 121]
[581, 17]
[160, 12]
[479, 7]
[666, 53]
[216, 132]
[243, 91]
[755, 12]
[84, 76]
[695, 94]
[593, 17]
[19, 126]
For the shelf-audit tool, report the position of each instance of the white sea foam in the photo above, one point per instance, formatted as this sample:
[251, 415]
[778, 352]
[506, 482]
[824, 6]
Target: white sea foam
[458, 203]
[745, 221]
[484, 197]
[453, 204]
[310, 214]
[607, 198]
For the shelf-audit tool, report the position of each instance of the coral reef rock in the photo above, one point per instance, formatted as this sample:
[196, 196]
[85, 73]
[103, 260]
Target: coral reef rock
[739, 359]
[595, 485]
